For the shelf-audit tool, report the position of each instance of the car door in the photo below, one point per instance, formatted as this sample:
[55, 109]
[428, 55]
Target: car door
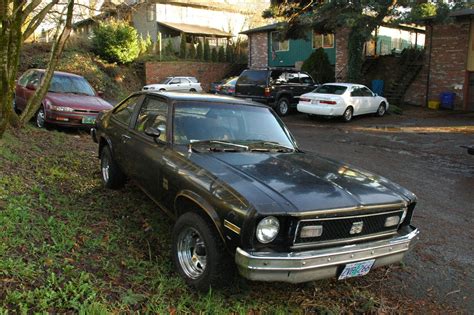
[31, 86]
[175, 84]
[147, 161]
[119, 133]
[20, 100]
[185, 84]
[367, 100]
[356, 100]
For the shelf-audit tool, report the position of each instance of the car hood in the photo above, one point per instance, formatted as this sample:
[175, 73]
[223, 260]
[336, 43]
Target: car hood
[81, 102]
[288, 182]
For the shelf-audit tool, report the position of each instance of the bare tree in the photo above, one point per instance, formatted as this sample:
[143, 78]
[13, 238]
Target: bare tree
[19, 20]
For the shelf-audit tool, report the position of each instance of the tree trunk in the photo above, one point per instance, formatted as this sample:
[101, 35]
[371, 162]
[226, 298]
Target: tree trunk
[61, 37]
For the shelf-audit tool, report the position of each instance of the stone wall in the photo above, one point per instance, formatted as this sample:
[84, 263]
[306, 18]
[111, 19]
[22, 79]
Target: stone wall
[205, 72]
[449, 51]
[258, 50]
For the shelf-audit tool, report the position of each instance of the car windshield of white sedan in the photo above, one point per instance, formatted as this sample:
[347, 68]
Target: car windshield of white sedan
[230, 123]
[331, 89]
[165, 81]
[68, 84]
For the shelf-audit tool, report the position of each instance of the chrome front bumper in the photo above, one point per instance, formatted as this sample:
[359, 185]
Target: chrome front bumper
[312, 265]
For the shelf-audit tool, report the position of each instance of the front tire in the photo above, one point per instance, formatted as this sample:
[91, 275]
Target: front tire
[193, 90]
[282, 106]
[40, 118]
[381, 110]
[199, 253]
[348, 114]
[112, 175]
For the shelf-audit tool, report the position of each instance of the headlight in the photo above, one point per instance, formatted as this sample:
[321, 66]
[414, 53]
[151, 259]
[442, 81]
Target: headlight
[267, 229]
[61, 108]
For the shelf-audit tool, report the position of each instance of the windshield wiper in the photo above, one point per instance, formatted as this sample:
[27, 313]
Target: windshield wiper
[220, 142]
[274, 144]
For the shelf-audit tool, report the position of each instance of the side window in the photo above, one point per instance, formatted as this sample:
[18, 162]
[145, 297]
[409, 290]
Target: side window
[366, 92]
[175, 81]
[305, 79]
[34, 79]
[153, 114]
[24, 78]
[124, 112]
[356, 91]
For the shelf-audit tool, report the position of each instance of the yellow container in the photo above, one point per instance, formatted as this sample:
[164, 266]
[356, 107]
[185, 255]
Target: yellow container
[433, 104]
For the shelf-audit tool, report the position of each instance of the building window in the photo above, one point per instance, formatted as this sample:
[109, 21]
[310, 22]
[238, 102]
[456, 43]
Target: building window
[279, 43]
[150, 12]
[323, 40]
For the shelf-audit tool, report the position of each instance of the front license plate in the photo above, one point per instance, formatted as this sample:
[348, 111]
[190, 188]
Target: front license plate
[88, 120]
[360, 268]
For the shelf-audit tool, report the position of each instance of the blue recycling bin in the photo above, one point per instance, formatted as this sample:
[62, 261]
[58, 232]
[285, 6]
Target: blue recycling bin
[447, 100]
[377, 87]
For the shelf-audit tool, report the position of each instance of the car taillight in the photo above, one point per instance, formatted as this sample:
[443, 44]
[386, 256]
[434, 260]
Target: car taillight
[267, 91]
[231, 90]
[328, 102]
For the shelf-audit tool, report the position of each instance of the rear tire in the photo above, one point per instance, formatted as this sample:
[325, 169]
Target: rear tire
[199, 253]
[282, 106]
[193, 90]
[112, 175]
[348, 114]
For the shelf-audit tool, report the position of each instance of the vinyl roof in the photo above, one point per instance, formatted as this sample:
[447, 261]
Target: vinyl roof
[195, 29]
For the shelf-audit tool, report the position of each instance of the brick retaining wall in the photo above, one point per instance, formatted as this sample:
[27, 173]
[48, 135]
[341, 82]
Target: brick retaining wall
[205, 72]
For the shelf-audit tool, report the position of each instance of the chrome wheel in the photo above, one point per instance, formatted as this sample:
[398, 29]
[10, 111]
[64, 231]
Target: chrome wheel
[105, 166]
[381, 110]
[191, 251]
[283, 107]
[40, 118]
[348, 114]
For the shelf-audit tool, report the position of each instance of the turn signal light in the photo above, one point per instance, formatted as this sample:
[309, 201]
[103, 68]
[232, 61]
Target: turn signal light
[311, 231]
[392, 221]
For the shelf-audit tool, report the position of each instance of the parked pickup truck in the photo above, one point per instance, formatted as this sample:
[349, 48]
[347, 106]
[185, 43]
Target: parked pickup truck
[279, 88]
[244, 195]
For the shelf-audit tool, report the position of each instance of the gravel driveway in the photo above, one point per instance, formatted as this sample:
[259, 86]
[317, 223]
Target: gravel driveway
[421, 151]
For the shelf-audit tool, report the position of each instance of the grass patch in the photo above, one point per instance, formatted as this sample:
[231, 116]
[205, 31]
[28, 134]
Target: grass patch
[69, 245]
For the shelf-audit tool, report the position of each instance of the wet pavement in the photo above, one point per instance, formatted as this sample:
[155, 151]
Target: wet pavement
[421, 151]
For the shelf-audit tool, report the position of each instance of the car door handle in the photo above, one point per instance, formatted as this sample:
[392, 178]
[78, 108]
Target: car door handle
[125, 138]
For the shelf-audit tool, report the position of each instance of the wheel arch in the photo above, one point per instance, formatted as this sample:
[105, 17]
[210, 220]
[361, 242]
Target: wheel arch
[186, 201]
[104, 141]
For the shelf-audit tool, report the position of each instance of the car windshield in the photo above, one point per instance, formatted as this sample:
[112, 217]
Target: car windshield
[231, 82]
[165, 81]
[331, 89]
[230, 123]
[70, 84]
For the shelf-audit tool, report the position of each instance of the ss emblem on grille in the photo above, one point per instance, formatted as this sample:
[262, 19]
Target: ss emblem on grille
[356, 227]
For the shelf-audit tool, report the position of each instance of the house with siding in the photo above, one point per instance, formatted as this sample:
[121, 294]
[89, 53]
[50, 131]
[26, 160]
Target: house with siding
[268, 48]
[214, 20]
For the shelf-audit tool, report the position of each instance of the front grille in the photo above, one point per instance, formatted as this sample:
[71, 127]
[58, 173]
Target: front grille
[86, 111]
[335, 229]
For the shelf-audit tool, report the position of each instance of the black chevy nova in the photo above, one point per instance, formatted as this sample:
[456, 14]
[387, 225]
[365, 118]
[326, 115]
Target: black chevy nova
[232, 176]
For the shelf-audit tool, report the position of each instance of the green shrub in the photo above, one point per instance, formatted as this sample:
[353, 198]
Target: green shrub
[116, 41]
[214, 54]
[169, 50]
[192, 51]
[221, 54]
[200, 51]
[229, 53]
[319, 67]
[182, 47]
[145, 44]
[207, 51]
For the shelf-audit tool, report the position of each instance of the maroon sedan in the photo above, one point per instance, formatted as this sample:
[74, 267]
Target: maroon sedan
[70, 100]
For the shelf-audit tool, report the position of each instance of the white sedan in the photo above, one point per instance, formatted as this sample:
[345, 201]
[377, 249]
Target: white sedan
[342, 99]
[188, 84]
